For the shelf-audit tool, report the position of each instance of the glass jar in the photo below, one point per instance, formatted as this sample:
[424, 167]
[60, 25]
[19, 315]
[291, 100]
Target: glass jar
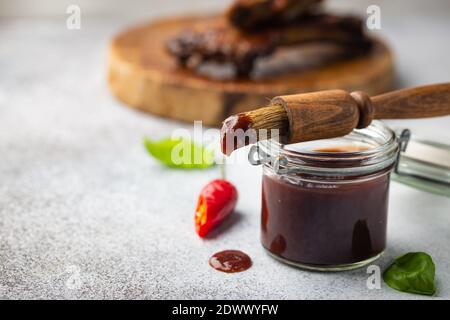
[325, 202]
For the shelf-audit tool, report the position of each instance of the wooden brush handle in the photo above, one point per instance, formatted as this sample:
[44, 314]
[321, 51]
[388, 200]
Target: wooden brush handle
[334, 113]
[420, 102]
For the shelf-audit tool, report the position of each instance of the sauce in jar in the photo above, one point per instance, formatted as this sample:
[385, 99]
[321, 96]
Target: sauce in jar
[327, 208]
[325, 226]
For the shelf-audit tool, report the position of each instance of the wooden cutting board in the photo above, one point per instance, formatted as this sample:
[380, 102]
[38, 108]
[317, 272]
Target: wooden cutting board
[144, 76]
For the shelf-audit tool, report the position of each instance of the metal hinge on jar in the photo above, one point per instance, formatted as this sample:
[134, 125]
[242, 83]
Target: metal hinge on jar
[423, 164]
[278, 163]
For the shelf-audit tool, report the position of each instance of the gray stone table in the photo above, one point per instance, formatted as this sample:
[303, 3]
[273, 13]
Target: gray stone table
[86, 213]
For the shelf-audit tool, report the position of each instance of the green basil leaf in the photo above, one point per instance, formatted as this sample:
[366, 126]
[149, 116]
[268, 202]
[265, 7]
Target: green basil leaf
[413, 272]
[180, 153]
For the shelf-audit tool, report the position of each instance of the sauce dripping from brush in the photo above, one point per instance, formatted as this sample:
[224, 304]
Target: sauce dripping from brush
[231, 141]
[250, 127]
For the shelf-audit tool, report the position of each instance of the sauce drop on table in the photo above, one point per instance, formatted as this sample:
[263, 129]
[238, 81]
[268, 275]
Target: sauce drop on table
[230, 261]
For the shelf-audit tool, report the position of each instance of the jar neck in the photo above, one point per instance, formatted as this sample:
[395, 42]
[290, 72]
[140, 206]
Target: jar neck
[380, 156]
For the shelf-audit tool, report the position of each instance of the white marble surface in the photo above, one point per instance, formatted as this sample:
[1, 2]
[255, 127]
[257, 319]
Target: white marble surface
[85, 213]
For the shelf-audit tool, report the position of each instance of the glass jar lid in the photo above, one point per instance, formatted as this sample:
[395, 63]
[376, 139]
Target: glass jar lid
[361, 152]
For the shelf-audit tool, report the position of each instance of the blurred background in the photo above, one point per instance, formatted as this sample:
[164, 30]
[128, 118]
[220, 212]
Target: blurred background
[418, 31]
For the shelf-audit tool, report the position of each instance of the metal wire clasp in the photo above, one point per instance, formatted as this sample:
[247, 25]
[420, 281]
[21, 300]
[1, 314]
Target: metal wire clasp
[279, 163]
[403, 141]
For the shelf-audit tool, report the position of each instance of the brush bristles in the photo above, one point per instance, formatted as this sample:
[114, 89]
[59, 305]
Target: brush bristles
[260, 124]
[272, 117]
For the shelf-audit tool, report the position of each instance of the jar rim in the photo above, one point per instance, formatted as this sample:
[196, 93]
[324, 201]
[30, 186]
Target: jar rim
[381, 153]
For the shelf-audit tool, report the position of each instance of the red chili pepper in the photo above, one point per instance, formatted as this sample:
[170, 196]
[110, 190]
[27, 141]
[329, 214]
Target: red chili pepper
[216, 202]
